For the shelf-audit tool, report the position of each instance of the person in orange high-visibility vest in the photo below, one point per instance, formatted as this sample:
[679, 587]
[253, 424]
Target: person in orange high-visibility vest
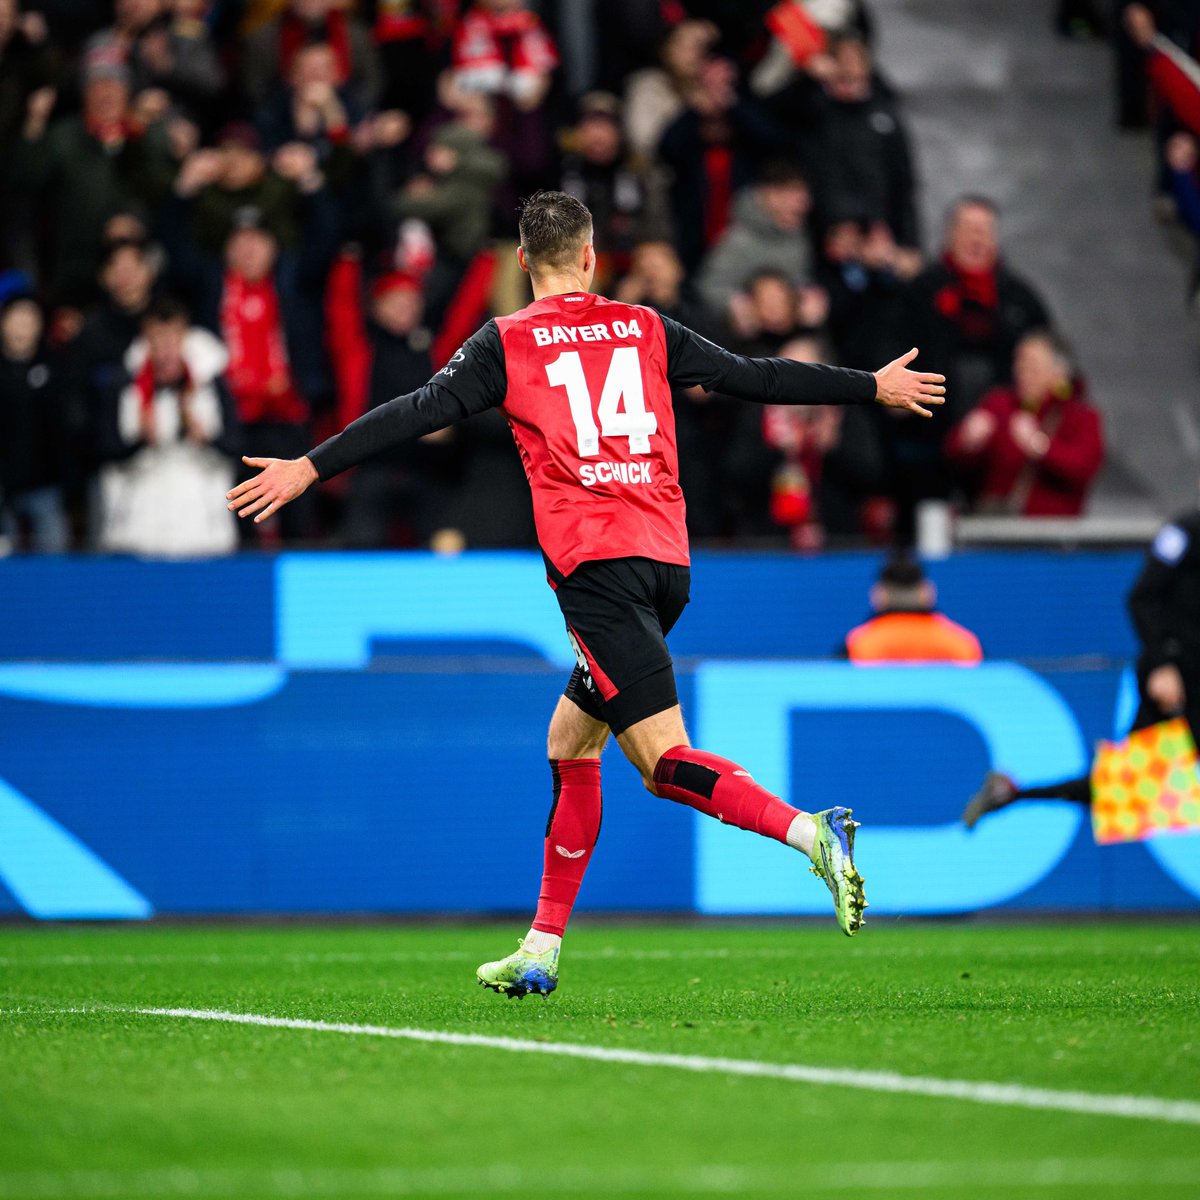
[906, 626]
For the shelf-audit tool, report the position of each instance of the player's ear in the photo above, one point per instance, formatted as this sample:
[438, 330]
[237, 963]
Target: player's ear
[521, 259]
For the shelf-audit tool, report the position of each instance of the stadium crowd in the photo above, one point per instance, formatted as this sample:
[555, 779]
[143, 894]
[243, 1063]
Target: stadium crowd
[232, 227]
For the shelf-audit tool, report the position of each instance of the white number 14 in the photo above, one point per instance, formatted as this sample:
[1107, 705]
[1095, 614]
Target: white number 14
[623, 382]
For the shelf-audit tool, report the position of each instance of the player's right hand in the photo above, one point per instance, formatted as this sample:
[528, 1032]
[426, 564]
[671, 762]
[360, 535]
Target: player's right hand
[898, 387]
[280, 481]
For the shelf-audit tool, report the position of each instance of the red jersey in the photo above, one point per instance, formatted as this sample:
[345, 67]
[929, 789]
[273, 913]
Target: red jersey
[589, 405]
[585, 384]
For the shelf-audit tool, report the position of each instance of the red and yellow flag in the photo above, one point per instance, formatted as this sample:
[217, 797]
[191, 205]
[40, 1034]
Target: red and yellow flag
[1146, 785]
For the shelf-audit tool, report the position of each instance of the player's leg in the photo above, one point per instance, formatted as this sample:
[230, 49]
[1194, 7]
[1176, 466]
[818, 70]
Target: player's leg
[574, 744]
[671, 767]
[999, 790]
[618, 613]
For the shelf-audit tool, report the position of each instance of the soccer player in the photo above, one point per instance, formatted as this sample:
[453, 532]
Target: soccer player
[585, 384]
[1165, 607]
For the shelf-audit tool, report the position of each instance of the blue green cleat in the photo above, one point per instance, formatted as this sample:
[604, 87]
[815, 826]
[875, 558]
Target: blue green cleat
[833, 861]
[521, 973]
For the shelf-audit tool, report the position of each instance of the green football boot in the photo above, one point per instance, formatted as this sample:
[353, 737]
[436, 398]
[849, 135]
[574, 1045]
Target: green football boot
[521, 973]
[833, 861]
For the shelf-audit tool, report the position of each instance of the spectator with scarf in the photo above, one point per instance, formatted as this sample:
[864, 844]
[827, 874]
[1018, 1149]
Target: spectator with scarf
[801, 472]
[502, 50]
[85, 168]
[268, 53]
[968, 311]
[1036, 446]
[169, 436]
[314, 110]
[165, 46]
[712, 150]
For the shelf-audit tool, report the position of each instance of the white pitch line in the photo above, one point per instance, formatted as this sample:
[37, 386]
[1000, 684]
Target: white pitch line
[611, 1179]
[1010, 1095]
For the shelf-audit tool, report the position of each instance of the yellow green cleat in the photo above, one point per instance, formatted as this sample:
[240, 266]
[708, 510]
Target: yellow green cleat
[833, 861]
[521, 973]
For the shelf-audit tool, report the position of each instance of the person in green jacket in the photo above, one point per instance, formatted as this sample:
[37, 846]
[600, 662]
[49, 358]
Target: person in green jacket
[81, 170]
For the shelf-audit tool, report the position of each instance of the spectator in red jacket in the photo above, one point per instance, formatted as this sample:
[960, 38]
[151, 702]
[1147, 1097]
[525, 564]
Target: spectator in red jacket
[1036, 446]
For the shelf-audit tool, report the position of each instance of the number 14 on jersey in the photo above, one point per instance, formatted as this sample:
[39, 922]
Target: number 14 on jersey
[622, 410]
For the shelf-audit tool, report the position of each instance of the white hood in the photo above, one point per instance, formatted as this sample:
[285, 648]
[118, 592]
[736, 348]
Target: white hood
[204, 353]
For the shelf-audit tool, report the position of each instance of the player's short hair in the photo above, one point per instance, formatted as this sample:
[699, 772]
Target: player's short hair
[554, 228]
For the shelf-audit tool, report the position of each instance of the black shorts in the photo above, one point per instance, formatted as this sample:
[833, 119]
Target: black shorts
[618, 613]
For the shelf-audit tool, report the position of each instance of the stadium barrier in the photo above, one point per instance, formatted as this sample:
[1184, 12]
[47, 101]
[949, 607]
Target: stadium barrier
[353, 733]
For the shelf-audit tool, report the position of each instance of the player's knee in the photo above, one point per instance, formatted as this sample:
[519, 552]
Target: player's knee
[567, 743]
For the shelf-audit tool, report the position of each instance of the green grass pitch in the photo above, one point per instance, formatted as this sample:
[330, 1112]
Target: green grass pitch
[114, 1104]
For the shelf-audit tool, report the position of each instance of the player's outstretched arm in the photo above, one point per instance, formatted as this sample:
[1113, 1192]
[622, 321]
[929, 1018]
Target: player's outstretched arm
[472, 382]
[692, 359]
[279, 482]
[898, 387]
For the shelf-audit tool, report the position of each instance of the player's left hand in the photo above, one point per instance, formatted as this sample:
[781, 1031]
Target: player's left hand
[1164, 685]
[280, 481]
[898, 387]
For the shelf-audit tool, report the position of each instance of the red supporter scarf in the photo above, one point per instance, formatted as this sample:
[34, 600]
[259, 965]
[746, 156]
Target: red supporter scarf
[718, 171]
[146, 387]
[979, 288]
[516, 40]
[405, 20]
[259, 373]
[110, 134]
[294, 35]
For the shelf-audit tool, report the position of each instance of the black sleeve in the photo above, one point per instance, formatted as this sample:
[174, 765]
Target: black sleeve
[693, 360]
[471, 382]
[1151, 603]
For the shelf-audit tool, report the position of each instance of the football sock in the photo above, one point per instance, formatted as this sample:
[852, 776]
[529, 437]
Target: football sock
[571, 834]
[1078, 791]
[721, 789]
[537, 942]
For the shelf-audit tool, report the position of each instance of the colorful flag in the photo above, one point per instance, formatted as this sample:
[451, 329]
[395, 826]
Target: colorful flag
[1146, 785]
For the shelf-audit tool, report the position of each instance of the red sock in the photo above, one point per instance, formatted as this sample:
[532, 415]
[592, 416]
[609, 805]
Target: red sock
[571, 834]
[722, 789]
